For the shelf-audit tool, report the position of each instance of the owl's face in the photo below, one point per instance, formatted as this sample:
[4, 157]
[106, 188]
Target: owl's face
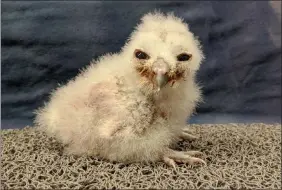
[164, 51]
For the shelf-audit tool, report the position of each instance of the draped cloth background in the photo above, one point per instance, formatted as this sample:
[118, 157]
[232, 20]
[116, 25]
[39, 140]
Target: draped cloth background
[46, 43]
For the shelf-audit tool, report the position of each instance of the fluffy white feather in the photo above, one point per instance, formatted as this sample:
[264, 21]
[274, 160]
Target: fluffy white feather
[133, 105]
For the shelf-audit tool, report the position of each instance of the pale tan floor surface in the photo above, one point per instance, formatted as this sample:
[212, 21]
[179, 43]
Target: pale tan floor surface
[238, 156]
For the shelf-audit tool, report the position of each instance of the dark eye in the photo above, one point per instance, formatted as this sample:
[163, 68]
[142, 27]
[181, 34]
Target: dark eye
[141, 55]
[184, 57]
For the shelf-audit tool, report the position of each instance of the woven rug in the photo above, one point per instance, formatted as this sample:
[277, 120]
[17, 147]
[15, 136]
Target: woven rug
[237, 155]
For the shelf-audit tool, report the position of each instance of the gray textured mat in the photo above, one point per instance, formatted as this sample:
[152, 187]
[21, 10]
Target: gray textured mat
[238, 156]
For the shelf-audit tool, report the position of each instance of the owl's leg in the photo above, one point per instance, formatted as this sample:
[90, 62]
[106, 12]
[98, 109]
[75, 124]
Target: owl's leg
[186, 134]
[182, 157]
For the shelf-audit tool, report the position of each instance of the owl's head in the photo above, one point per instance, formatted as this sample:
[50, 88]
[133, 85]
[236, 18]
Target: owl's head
[163, 51]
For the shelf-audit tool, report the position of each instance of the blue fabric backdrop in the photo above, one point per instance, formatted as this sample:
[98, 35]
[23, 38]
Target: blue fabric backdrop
[44, 43]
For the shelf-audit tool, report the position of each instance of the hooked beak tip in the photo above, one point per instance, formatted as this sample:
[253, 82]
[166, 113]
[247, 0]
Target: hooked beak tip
[161, 68]
[161, 80]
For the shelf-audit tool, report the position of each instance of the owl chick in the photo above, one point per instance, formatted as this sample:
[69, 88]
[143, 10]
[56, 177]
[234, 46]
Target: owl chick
[131, 106]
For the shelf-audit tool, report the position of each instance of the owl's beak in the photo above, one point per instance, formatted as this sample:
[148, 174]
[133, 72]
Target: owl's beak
[161, 68]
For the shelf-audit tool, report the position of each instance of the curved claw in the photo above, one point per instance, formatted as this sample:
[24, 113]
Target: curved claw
[183, 157]
[186, 134]
[169, 162]
[193, 160]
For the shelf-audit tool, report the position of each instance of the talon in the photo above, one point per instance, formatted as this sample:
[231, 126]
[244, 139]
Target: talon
[186, 135]
[183, 157]
[186, 130]
[169, 162]
[193, 160]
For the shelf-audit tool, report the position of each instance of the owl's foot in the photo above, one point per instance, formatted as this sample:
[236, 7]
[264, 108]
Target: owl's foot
[186, 135]
[182, 157]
